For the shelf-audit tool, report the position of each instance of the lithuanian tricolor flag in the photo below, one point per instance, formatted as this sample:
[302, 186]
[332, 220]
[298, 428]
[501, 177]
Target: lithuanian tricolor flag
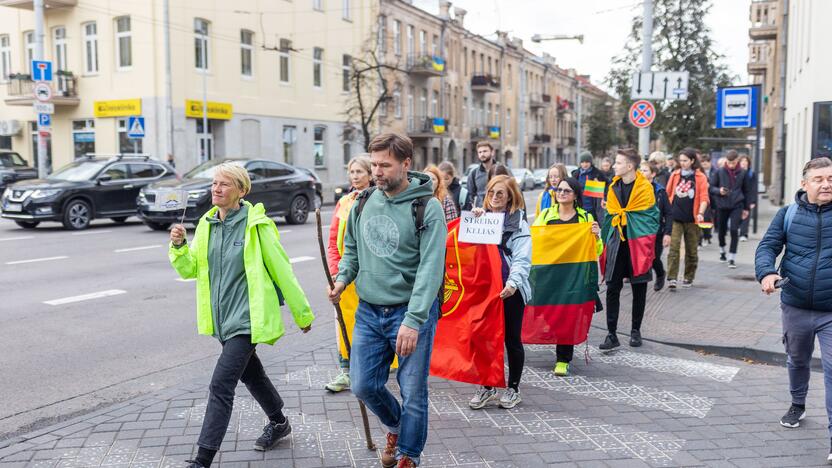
[639, 220]
[564, 279]
[594, 188]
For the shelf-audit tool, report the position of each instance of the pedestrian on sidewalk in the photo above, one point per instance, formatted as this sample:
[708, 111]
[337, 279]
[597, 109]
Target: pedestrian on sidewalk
[567, 211]
[629, 237]
[440, 192]
[606, 169]
[745, 164]
[710, 214]
[358, 172]
[805, 230]
[478, 178]
[649, 171]
[547, 198]
[504, 196]
[243, 276]
[458, 193]
[658, 160]
[731, 192]
[394, 250]
[587, 171]
[688, 193]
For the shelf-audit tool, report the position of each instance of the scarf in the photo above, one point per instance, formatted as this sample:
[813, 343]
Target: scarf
[642, 198]
[547, 199]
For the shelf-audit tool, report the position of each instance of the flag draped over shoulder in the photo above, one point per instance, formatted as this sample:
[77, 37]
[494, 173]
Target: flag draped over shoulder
[564, 279]
[639, 220]
[468, 345]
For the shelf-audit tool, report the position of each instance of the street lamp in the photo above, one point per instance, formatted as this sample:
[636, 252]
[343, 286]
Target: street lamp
[538, 38]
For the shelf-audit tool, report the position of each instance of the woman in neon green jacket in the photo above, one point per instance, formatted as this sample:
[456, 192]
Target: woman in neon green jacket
[243, 276]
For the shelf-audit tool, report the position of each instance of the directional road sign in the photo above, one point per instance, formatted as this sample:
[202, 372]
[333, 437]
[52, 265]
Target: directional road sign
[642, 114]
[41, 70]
[737, 107]
[660, 86]
[135, 127]
[44, 120]
[44, 108]
[42, 91]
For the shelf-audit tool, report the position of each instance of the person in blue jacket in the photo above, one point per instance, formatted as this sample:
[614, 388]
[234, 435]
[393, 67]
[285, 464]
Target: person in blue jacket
[805, 230]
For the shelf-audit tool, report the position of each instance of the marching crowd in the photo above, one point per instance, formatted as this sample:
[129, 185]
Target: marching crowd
[386, 251]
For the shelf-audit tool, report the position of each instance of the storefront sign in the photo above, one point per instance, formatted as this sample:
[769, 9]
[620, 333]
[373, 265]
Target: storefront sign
[216, 110]
[118, 108]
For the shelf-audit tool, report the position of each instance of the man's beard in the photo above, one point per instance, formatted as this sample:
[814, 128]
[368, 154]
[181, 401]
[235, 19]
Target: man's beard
[390, 184]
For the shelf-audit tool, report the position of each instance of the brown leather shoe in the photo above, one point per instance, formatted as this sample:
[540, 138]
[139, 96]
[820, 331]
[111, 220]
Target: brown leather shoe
[388, 455]
[406, 462]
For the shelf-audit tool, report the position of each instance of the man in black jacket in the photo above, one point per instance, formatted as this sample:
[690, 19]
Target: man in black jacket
[665, 221]
[710, 214]
[730, 188]
[588, 171]
[478, 178]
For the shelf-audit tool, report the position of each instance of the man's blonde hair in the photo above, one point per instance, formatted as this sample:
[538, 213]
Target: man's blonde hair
[237, 173]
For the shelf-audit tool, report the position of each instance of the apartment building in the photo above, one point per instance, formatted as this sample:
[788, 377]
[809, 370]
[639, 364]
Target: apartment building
[273, 75]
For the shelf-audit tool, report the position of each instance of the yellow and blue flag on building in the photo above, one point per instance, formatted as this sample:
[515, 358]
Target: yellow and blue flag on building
[494, 132]
[438, 63]
[438, 125]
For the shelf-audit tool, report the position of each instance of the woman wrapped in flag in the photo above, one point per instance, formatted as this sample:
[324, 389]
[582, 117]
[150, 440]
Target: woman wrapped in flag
[503, 196]
[566, 242]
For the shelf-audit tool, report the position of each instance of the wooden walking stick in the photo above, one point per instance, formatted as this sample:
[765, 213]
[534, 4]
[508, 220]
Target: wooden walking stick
[343, 327]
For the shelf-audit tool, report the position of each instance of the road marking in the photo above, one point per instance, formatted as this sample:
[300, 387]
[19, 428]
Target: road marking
[85, 297]
[300, 259]
[186, 280]
[16, 238]
[287, 231]
[133, 249]
[90, 233]
[45, 259]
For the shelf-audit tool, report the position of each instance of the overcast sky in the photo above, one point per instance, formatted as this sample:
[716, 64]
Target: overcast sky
[605, 25]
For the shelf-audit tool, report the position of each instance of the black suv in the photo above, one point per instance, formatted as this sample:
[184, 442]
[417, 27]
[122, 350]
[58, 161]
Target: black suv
[14, 168]
[88, 188]
[284, 191]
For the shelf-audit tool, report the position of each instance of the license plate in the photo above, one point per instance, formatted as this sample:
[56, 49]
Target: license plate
[13, 207]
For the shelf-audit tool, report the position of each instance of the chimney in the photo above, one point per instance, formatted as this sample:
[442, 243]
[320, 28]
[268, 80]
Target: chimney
[459, 15]
[502, 37]
[444, 9]
[517, 42]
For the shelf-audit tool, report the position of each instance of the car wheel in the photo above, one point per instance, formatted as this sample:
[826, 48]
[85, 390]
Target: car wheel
[119, 219]
[77, 215]
[157, 226]
[298, 210]
[27, 224]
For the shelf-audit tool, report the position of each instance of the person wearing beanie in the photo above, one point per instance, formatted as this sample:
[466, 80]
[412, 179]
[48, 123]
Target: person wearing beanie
[588, 171]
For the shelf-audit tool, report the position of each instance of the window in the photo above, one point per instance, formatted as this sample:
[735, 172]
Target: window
[410, 40]
[124, 43]
[397, 37]
[90, 48]
[201, 44]
[508, 78]
[318, 146]
[397, 102]
[435, 44]
[508, 121]
[83, 137]
[5, 58]
[289, 139]
[33, 129]
[285, 47]
[29, 39]
[317, 67]
[411, 104]
[116, 172]
[465, 61]
[256, 170]
[382, 107]
[346, 71]
[318, 5]
[246, 52]
[129, 145]
[822, 130]
[497, 115]
[423, 104]
[59, 40]
[274, 169]
[382, 35]
[345, 10]
[145, 171]
[423, 42]
[488, 115]
[347, 148]
[434, 105]
[465, 109]
[205, 140]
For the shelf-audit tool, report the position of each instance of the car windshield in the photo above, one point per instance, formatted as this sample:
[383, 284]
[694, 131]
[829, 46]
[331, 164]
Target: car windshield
[11, 160]
[77, 171]
[207, 169]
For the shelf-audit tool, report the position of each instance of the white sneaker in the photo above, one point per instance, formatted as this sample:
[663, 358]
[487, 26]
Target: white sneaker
[743, 238]
[482, 397]
[510, 398]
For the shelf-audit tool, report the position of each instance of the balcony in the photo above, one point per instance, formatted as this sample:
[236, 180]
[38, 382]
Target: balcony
[29, 5]
[19, 90]
[539, 101]
[540, 139]
[763, 20]
[758, 58]
[419, 128]
[479, 133]
[485, 84]
[425, 66]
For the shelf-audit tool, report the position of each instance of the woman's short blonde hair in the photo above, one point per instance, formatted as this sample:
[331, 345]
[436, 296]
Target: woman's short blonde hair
[658, 157]
[363, 160]
[237, 173]
[515, 201]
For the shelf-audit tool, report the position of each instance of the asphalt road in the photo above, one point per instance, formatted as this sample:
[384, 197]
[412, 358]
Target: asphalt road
[94, 317]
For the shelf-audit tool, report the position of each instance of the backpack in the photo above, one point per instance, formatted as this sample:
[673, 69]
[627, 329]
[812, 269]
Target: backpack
[787, 220]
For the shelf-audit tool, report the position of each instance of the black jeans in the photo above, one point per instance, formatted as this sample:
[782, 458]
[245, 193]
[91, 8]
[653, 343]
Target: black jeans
[237, 362]
[513, 312]
[621, 270]
[734, 217]
[658, 266]
[564, 352]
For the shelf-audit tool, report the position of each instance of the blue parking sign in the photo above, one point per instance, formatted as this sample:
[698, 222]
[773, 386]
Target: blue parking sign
[41, 70]
[44, 120]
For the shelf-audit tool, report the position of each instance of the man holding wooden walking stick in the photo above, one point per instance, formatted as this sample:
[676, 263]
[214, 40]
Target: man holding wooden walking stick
[394, 250]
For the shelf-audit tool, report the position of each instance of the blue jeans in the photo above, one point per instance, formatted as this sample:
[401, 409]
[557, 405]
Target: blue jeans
[800, 326]
[373, 349]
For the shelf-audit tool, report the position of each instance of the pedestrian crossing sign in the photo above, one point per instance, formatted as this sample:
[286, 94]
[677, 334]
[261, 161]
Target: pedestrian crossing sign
[135, 127]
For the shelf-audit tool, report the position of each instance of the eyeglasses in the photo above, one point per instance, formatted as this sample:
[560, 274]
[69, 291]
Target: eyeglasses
[564, 191]
[494, 194]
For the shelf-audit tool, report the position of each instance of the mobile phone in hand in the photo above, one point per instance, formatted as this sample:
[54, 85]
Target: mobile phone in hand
[781, 282]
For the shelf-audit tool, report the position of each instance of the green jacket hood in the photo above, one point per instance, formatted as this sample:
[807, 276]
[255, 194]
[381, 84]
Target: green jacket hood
[256, 213]
[420, 186]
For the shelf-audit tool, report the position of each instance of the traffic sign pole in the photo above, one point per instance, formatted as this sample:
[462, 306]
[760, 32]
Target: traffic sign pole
[646, 65]
[37, 5]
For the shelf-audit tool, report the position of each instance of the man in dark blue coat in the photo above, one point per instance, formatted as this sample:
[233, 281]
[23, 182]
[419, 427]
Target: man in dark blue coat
[805, 230]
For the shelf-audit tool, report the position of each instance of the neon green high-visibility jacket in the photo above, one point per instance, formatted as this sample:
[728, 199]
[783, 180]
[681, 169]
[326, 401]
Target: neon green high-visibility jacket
[267, 268]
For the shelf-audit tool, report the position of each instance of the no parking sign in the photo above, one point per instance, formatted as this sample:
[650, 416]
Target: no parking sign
[642, 113]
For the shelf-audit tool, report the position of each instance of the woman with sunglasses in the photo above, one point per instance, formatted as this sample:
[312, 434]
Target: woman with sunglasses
[502, 195]
[566, 211]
